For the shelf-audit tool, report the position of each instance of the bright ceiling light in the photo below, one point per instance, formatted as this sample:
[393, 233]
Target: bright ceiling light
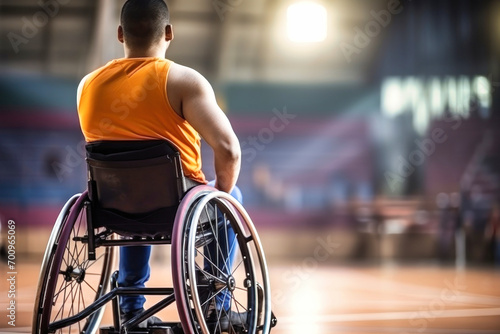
[306, 22]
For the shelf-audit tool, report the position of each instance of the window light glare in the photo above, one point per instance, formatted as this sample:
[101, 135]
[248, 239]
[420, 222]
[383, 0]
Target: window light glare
[306, 22]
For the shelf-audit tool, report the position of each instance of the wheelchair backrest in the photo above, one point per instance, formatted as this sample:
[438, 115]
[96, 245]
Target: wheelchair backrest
[135, 176]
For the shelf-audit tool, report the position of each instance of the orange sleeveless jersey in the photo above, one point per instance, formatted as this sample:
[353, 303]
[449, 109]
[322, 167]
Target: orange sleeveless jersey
[127, 100]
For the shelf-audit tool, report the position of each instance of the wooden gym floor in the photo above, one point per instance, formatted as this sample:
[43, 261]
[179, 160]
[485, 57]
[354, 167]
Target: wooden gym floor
[314, 298]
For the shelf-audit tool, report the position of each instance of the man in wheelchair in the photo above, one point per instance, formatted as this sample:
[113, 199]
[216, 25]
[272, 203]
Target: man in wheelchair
[142, 117]
[144, 96]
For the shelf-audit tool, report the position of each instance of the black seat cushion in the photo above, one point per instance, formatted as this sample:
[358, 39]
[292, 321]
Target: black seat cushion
[135, 186]
[158, 223]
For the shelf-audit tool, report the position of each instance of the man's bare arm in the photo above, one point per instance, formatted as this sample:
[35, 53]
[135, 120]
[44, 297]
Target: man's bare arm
[199, 108]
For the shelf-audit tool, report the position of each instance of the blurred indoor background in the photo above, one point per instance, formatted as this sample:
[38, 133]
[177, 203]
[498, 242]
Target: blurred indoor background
[369, 128]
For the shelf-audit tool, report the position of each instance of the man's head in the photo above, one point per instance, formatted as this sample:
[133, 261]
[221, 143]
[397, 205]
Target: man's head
[144, 24]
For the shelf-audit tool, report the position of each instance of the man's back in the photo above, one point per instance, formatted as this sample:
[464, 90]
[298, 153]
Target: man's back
[127, 100]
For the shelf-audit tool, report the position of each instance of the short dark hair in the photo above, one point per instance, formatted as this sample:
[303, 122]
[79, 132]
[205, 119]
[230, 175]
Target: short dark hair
[144, 21]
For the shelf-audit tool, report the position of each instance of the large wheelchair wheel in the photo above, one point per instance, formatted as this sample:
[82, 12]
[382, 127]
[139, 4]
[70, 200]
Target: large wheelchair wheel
[211, 295]
[69, 281]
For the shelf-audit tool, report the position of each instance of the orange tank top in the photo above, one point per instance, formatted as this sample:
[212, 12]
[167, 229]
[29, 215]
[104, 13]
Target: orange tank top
[127, 100]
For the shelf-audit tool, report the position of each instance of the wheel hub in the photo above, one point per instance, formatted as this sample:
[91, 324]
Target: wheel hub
[231, 283]
[71, 273]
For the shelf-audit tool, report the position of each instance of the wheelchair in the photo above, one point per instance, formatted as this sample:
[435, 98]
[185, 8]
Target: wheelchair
[137, 194]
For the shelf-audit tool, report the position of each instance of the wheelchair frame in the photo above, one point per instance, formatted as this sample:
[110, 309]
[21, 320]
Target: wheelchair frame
[186, 245]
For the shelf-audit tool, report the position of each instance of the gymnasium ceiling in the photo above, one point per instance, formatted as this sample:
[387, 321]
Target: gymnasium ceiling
[226, 40]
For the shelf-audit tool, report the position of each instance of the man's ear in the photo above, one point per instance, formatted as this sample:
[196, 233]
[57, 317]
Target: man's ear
[120, 34]
[169, 33]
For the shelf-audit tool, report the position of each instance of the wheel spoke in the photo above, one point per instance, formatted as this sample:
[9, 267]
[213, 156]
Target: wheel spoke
[61, 289]
[71, 256]
[216, 223]
[206, 243]
[83, 298]
[91, 263]
[209, 299]
[230, 308]
[213, 265]
[75, 232]
[228, 255]
[79, 303]
[83, 249]
[65, 298]
[240, 304]
[234, 270]
[209, 275]
[216, 234]
[73, 295]
[231, 250]
[90, 286]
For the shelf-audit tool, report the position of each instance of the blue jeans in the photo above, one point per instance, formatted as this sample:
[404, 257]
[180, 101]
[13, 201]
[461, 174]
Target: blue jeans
[134, 269]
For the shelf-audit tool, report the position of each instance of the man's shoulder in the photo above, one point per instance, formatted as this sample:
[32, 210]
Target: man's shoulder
[95, 73]
[88, 78]
[184, 75]
[184, 70]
